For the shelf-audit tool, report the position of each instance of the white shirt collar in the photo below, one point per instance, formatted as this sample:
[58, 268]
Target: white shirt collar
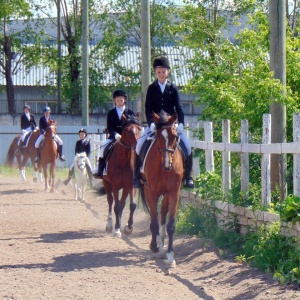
[120, 110]
[162, 86]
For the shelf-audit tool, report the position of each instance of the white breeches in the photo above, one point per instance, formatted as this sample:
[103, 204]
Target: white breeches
[88, 163]
[25, 132]
[102, 148]
[146, 134]
[41, 137]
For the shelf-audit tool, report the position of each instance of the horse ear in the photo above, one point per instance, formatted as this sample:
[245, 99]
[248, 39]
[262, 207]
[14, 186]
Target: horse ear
[174, 117]
[155, 117]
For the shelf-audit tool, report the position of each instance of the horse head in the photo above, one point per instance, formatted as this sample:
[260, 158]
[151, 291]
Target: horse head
[131, 131]
[81, 160]
[51, 130]
[166, 137]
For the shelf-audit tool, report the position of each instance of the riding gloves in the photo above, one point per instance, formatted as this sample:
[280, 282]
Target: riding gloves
[117, 136]
[152, 127]
[179, 128]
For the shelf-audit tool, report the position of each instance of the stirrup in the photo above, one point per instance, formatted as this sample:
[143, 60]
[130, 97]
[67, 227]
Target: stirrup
[62, 158]
[189, 183]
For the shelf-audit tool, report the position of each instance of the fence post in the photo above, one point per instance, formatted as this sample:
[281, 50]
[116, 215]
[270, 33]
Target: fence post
[226, 168]
[296, 157]
[266, 164]
[245, 159]
[209, 154]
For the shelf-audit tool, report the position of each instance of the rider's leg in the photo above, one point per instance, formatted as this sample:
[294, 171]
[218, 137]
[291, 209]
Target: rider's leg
[70, 175]
[60, 150]
[189, 182]
[37, 145]
[101, 161]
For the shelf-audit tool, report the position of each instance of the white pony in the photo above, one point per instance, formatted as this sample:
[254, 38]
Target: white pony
[80, 173]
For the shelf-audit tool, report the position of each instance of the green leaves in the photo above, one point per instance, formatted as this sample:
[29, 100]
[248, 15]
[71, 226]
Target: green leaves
[289, 210]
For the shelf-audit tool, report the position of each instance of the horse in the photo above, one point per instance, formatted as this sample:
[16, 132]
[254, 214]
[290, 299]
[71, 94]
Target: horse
[120, 175]
[49, 155]
[80, 173]
[162, 176]
[22, 155]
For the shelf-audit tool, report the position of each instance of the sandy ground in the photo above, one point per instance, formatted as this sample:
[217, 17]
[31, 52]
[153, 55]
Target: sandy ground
[53, 247]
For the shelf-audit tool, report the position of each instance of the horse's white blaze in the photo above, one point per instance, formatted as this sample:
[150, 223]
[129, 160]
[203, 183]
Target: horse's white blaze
[164, 133]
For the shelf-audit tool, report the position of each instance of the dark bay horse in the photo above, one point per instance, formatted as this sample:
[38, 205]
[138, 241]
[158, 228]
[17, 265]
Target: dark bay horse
[120, 174]
[22, 155]
[49, 154]
[162, 175]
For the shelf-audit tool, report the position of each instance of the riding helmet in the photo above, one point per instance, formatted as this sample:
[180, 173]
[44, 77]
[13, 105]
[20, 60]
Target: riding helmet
[26, 106]
[118, 93]
[47, 109]
[82, 130]
[161, 62]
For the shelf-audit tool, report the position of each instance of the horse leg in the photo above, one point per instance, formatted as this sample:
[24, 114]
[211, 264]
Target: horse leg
[163, 217]
[154, 226]
[110, 201]
[21, 164]
[45, 177]
[129, 227]
[117, 209]
[173, 206]
[52, 177]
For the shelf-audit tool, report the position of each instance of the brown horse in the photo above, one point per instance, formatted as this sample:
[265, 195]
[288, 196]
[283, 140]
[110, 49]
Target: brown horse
[49, 155]
[162, 175]
[22, 155]
[120, 174]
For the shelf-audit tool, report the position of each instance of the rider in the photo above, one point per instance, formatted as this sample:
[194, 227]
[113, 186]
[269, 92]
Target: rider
[162, 94]
[43, 124]
[28, 124]
[82, 145]
[114, 125]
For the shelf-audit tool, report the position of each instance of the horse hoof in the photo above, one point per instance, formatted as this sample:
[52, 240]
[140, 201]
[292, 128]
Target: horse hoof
[154, 249]
[128, 230]
[160, 255]
[108, 229]
[170, 261]
[118, 233]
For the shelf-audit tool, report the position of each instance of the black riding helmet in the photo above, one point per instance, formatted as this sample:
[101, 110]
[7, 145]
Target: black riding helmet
[26, 106]
[82, 130]
[162, 62]
[118, 93]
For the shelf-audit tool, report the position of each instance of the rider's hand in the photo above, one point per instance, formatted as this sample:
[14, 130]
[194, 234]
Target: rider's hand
[152, 127]
[179, 129]
[117, 136]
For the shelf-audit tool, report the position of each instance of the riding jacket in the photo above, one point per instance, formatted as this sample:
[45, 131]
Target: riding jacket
[83, 146]
[169, 101]
[114, 124]
[43, 124]
[25, 123]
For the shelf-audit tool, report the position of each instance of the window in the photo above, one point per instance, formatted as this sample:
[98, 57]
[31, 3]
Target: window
[38, 106]
[187, 108]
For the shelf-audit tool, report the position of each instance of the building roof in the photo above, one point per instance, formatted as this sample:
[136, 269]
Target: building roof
[131, 59]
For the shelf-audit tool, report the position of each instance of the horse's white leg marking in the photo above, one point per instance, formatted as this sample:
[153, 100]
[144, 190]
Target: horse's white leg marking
[22, 173]
[162, 232]
[164, 133]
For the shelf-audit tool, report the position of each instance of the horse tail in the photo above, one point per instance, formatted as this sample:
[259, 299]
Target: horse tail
[142, 195]
[10, 156]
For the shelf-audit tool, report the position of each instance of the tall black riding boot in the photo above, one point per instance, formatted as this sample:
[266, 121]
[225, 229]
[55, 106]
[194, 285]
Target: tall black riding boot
[136, 180]
[189, 182]
[101, 166]
[90, 174]
[71, 173]
[61, 156]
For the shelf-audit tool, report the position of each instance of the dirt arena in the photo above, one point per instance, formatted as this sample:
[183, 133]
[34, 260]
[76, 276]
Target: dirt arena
[53, 247]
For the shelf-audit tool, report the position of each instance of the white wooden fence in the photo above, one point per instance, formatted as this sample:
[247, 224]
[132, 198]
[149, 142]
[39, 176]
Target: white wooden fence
[244, 148]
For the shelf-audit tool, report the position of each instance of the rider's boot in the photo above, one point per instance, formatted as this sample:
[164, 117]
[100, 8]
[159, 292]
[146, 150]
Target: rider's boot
[90, 175]
[61, 156]
[101, 166]
[136, 180]
[70, 175]
[189, 182]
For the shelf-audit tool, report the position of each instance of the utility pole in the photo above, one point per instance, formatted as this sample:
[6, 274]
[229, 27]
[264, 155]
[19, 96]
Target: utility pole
[146, 53]
[59, 109]
[85, 64]
[277, 15]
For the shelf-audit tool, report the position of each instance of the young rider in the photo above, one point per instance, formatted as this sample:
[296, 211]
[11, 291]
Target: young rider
[82, 145]
[43, 124]
[114, 125]
[28, 124]
[162, 94]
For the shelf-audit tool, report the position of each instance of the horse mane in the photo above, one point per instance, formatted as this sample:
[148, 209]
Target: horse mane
[130, 120]
[163, 120]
